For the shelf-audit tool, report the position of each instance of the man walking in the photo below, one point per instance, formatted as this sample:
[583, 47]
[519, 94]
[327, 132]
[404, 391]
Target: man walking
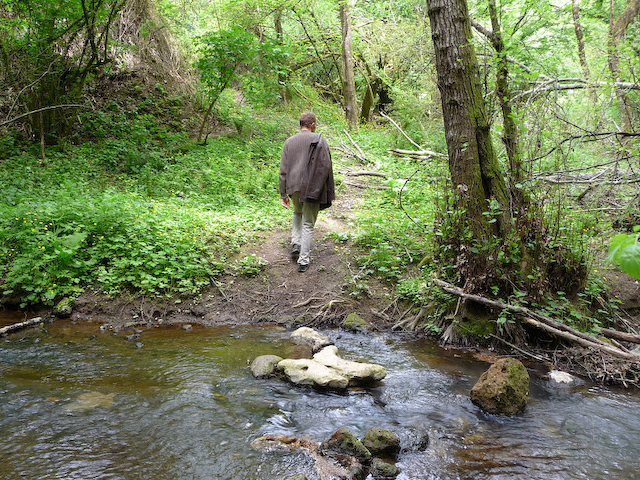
[306, 180]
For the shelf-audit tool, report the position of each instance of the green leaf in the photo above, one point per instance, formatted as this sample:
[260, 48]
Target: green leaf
[629, 260]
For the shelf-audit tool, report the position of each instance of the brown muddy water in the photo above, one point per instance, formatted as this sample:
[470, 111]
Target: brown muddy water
[78, 403]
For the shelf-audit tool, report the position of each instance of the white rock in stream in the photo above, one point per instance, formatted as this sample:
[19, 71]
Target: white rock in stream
[356, 371]
[310, 336]
[328, 370]
[305, 371]
[558, 376]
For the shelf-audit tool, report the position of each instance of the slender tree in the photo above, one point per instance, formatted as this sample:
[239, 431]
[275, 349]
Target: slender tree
[617, 29]
[349, 84]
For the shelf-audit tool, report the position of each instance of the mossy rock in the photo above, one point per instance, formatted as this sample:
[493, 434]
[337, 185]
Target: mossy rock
[64, 308]
[503, 389]
[346, 443]
[356, 323]
[265, 365]
[381, 470]
[380, 441]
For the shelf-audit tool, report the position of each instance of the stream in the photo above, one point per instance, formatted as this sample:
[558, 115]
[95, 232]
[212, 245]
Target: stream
[78, 403]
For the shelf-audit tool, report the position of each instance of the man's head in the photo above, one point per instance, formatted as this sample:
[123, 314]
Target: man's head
[308, 121]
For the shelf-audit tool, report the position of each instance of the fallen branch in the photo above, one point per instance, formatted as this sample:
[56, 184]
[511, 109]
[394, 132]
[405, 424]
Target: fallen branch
[22, 325]
[417, 154]
[362, 185]
[625, 337]
[362, 156]
[543, 322]
[361, 173]
[40, 110]
[401, 131]
[616, 352]
[556, 85]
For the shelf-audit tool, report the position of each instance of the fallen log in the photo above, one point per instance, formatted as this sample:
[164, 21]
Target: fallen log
[418, 154]
[365, 186]
[616, 352]
[543, 322]
[360, 173]
[625, 337]
[19, 326]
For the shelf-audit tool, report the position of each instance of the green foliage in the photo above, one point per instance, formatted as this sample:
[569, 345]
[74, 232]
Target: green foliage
[250, 265]
[112, 240]
[625, 251]
[49, 51]
[137, 209]
[220, 55]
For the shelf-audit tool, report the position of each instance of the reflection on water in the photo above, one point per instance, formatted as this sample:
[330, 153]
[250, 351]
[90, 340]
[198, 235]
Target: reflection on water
[78, 403]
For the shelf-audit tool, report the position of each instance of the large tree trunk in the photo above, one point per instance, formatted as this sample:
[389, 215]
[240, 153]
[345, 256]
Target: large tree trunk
[349, 84]
[473, 164]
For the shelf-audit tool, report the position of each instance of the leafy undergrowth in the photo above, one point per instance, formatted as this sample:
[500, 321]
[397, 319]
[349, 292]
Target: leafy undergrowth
[138, 208]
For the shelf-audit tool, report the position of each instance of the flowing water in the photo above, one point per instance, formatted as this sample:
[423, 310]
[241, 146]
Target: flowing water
[77, 403]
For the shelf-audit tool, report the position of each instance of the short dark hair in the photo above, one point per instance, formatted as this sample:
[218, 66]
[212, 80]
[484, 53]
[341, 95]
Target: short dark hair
[306, 119]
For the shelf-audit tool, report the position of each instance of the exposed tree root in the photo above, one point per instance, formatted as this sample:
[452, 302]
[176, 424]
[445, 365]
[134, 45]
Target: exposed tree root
[323, 314]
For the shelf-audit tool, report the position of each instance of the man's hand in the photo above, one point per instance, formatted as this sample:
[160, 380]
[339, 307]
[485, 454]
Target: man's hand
[285, 202]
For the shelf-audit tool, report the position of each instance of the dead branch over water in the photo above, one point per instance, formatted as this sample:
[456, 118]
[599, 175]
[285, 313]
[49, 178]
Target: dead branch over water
[545, 323]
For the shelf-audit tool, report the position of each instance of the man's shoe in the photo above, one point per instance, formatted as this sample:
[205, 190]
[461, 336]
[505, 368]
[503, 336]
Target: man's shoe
[303, 267]
[295, 250]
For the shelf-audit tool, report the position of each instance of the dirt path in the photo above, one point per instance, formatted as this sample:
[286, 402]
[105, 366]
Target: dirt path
[323, 295]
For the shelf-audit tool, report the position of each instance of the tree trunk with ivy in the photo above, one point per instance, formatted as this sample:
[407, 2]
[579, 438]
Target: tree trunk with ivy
[475, 172]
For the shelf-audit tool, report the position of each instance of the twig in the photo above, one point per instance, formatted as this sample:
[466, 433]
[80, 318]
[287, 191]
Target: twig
[524, 352]
[213, 280]
[401, 131]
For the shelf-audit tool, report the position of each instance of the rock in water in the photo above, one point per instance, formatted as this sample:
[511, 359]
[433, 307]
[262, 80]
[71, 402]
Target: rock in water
[557, 376]
[356, 323]
[310, 336]
[309, 372]
[265, 365]
[503, 388]
[356, 372]
[381, 470]
[343, 442]
[381, 442]
[90, 400]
